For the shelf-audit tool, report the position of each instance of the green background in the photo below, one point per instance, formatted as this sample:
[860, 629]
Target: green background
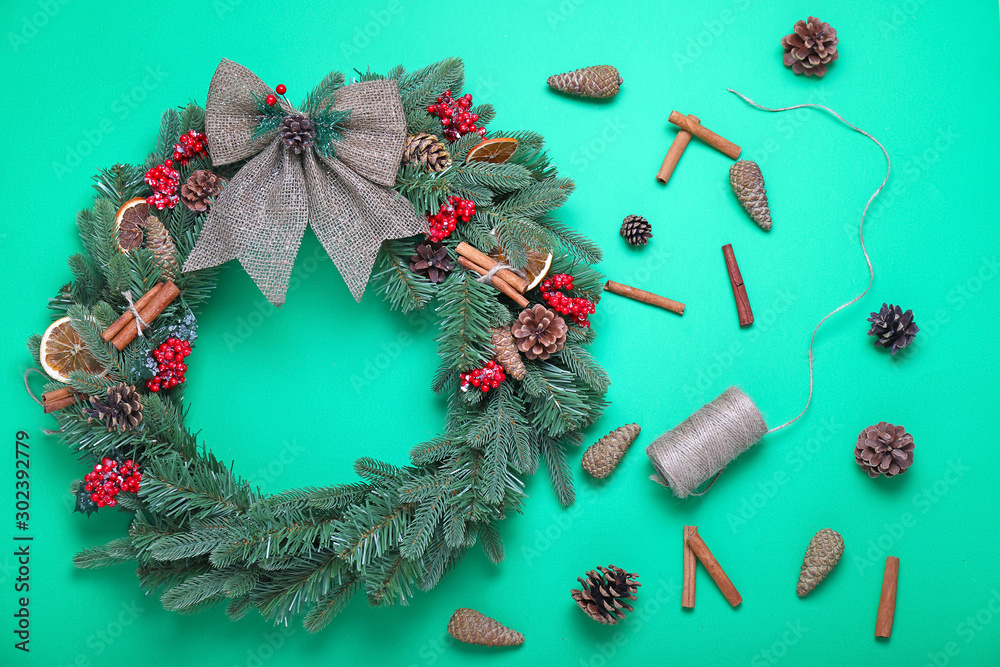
[294, 396]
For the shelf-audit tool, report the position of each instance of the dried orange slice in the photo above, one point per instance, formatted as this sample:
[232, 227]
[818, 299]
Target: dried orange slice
[130, 221]
[63, 351]
[496, 150]
[535, 270]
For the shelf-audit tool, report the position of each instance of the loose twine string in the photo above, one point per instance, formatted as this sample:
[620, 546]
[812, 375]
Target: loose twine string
[713, 436]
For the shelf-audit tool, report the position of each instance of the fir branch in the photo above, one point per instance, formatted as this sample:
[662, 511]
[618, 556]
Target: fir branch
[502, 177]
[559, 471]
[193, 489]
[572, 241]
[402, 288]
[585, 366]
[331, 604]
[454, 526]
[325, 89]
[418, 534]
[438, 559]
[489, 538]
[421, 88]
[201, 539]
[328, 499]
[486, 113]
[465, 337]
[388, 579]
[425, 190]
[192, 118]
[114, 552]
[238, 608]
[370, 530]
[197, 589]
[434, 450]
[34, 348]
[89, 384]
[121, 183]
[269, 117]
[376, 472]
[170, 132]
[88, 282]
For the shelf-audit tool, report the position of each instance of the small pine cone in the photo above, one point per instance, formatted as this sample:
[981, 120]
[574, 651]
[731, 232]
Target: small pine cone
[636, 230]
[469, 626]
[426, 151]
[431, 261]
[505, 353]
[603, 594]
[825, 549]
[298, 132]
[748, 184]
[597, 81]
[884, 449]
[894, 328]
[158, 242]
[199, 189]
[811, 47]
[603, 456]
[540, 332]
[121, 410]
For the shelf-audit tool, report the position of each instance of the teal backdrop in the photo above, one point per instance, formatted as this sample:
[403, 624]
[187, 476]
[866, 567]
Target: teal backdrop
[295, 395]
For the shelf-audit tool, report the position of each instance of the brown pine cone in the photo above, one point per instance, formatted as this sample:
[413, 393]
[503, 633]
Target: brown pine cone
[298, 133]
[811, 47]
[199, 189]
[603, 594]
[603, 456]
[894, 328]
[748, 184]
[431, 261]
[597, 81]
[636, 230]
[884, 449]
[121, 410]
[470, 626]
[425, 150]
[540, 332]
[158, 241]
[505, 353]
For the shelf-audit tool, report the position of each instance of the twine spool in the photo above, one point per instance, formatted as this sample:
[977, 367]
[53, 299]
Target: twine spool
[703, 444]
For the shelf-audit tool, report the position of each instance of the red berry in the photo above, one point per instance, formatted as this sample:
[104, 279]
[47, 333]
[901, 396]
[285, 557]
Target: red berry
[271, 100]
[280, 89]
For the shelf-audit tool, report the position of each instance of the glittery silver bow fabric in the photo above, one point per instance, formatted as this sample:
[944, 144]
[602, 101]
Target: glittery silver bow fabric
[347, 198]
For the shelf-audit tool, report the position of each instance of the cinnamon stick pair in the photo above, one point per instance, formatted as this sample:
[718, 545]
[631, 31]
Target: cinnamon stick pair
[695, 547]
[504, 280]
[57, 399]
[123, 331]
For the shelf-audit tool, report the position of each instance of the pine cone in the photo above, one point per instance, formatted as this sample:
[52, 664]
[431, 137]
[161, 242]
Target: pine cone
[636, 230]
[199, 189]
[811, 47]
[748, 184]
[469, 626]
[540, 333]
[603, 594]
[505, 353]
[158, 242]
[298, 132]
[431, 260]
[603, 456]
[894, 328]
[825, 549]
[884, 449]
[425, 150]
[597, 81]
[121, 410]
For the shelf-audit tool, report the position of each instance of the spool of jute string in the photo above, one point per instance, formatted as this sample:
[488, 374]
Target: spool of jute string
[701, 446]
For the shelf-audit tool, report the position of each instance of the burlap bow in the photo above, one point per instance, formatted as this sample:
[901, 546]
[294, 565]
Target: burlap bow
[347, 197]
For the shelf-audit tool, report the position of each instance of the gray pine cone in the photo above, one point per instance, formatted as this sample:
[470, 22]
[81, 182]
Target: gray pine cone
[824, 552]
[748, 184]
[603, 456]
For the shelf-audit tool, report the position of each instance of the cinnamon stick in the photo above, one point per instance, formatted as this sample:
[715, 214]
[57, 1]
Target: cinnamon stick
[680, 142]
[887, 601]
[150, 312]
[127, 317]
[711, 138]
[57, 399]
[496, 281]
[487, 262]
[739, 289]
[690, 569]
[704, 555]
[645, 297]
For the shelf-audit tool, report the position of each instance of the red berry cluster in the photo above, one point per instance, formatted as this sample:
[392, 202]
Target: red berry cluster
[170, 364]
[578, 309]
[455, 116]
[107, 480]
[164, 180]
[191, 145]
[488, 377]
[443, 222]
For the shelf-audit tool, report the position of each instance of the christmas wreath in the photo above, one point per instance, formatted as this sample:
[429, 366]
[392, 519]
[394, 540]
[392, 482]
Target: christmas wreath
[363, 164]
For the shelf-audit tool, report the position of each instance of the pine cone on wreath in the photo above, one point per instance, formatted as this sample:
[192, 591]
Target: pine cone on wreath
[540, 332]
[748, 184]
[884, 449]
[121, 409]
[425, 150]
[298, 133]
[199, 189]
[598, 81]
[824, 552]
[894, 328]
[811, 47]
[431, 261]
[505, 352]
[470, 626]
[158, 242]
[636, 230]
[604, 594]
[603, 456]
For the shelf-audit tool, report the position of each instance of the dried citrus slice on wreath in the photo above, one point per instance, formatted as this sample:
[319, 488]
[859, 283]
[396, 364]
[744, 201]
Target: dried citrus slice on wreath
[496, 150]
[130, 220]
[63, 351]
[534, 271]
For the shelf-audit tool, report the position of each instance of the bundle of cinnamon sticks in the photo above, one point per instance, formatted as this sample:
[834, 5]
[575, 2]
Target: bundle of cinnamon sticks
[504, 280]
[149, 306]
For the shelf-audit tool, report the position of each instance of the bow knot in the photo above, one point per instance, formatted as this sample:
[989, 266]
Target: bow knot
[330, 166]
